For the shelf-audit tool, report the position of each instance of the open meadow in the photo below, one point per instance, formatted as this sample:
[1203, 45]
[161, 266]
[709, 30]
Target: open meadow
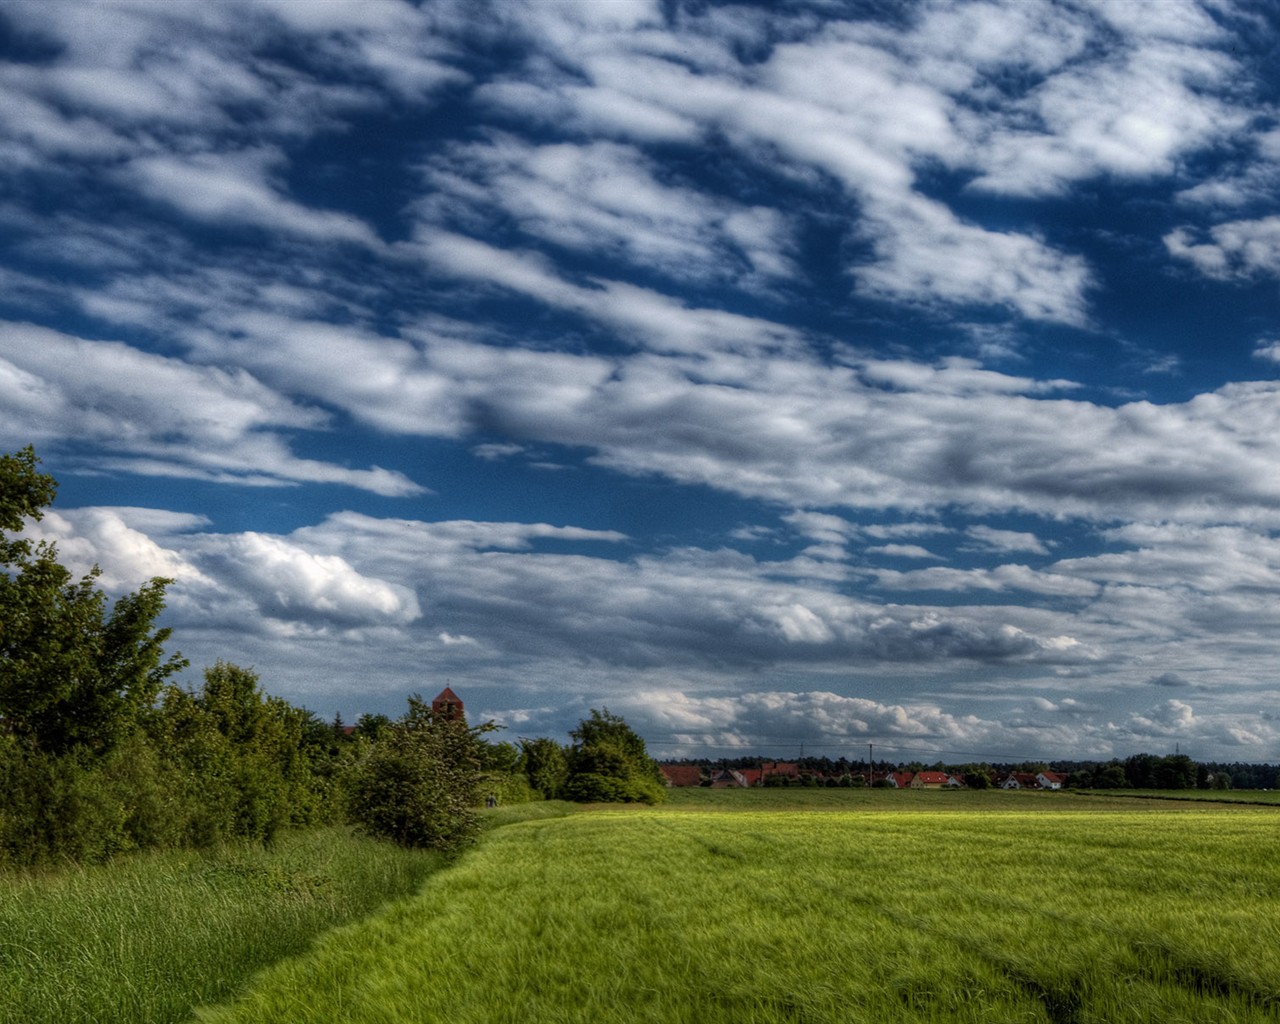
[821, 906]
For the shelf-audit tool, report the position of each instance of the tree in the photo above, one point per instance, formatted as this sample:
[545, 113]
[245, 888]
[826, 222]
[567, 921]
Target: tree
[608, 763]
[1110, 776]
[545, 765]
[418, 783]
[372, 726]
[74, 672]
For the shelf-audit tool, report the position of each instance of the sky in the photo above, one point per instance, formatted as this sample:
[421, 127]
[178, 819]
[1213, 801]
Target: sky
[784, 377]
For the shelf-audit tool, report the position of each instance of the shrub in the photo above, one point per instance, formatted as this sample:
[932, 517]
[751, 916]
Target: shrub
[418, 784]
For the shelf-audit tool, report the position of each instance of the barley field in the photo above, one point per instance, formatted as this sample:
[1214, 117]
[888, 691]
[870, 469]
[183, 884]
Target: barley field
[932, 907]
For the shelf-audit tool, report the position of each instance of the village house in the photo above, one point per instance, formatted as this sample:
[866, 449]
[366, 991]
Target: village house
[1020, 780]
[779, 769]
[728, 778]
[680, 775]
[1051, 780]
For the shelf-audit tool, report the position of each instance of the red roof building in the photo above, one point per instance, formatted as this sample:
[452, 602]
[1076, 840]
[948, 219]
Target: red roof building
[787, 769]
[1051, 780]
[448, 705]
[681, 774]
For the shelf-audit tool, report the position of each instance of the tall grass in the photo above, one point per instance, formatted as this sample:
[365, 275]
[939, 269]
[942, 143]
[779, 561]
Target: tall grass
[708, 917]
[147, 937]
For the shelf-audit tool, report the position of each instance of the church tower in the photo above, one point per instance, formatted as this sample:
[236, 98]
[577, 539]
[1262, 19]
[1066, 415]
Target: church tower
[448, 705]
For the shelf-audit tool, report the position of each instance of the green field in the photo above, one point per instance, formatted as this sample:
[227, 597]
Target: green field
[793, 906]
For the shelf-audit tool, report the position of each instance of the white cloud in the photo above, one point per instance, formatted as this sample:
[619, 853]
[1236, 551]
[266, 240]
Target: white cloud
[835, 725]
[607, 198]
[1006, 540]
[901, 551]
[290, 583]
[119, 542]
[160, 416]
[1267, 349]
[235, 188]
[1237, 249]
[1002, 578]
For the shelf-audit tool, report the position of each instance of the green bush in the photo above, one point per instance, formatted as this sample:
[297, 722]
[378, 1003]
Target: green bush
[419, 783]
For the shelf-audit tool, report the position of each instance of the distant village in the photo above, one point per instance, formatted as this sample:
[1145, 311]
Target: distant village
[789, 773]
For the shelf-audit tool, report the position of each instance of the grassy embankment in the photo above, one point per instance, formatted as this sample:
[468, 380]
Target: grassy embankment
[145, 938]
[980, 907]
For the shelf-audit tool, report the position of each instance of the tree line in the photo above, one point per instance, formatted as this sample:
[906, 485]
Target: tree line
[101, 751]
[1139, 771]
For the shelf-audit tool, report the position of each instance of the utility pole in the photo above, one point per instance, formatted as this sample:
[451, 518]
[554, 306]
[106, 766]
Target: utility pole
[871, 765]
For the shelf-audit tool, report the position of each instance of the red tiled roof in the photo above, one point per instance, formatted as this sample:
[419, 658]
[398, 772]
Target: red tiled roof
[682, 774]
[779, 768]
[932, 778]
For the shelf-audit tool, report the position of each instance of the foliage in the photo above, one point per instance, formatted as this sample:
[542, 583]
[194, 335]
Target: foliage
[608, 763]
[546, 765]
[502, 778]
[419, 784]
[264, 764]
[74, 672]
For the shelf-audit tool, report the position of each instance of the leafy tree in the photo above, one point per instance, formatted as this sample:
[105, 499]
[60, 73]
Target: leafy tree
[545, 765]
[608, 763]
[1110, 776]
[271, 772]
[74, 672]
[978, 777]
[372, 726]
[419, 783]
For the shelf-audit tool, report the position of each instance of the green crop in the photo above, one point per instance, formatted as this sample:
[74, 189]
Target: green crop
[997, 912]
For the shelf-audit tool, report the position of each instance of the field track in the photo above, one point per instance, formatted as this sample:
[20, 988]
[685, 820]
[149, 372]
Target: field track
[935, 907]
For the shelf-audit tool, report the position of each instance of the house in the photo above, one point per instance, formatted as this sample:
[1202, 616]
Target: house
[679, 775]
[1051, 780]
[900, 780]
[779, 769]
[753, 776]
[928, 780]
[728, 778]
[1020, 780]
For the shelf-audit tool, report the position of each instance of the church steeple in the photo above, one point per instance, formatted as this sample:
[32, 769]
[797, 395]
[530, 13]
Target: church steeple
[448, 705]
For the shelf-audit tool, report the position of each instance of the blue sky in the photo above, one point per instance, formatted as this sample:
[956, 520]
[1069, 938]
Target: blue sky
[808, 372]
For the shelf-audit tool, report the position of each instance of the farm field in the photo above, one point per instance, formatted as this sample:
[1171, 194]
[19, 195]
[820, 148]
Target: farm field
[1006, 908]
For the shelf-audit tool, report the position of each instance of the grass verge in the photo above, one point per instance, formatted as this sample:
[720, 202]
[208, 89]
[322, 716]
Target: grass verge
[144, 939]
